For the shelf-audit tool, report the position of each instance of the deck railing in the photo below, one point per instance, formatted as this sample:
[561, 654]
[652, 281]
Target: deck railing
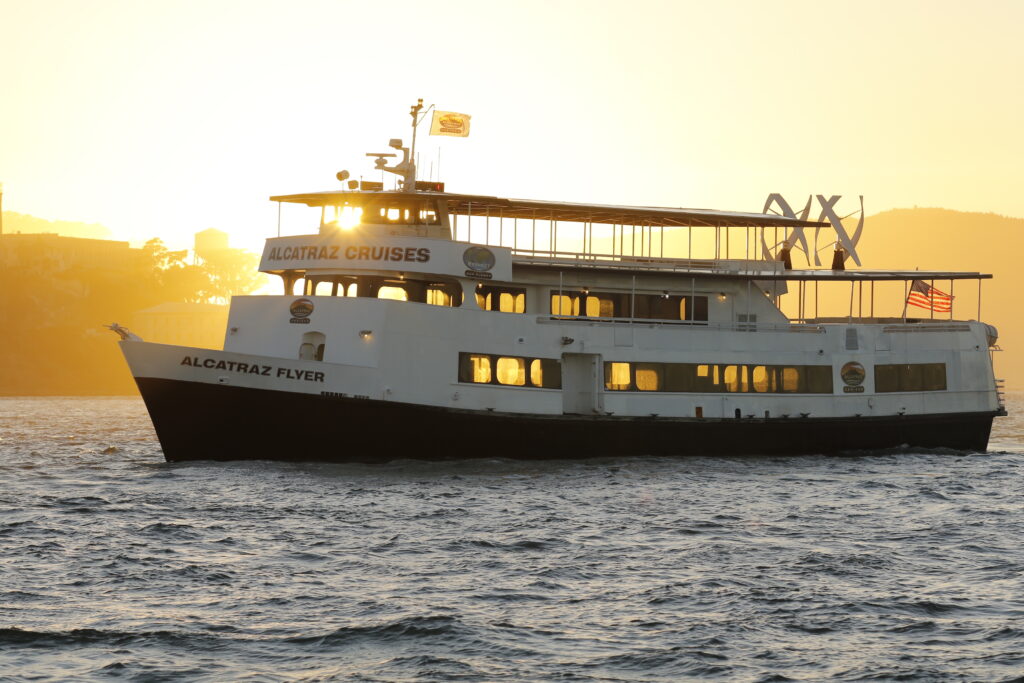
[813, 326]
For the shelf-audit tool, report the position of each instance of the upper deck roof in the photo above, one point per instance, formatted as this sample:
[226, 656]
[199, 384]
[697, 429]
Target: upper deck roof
[482, 205]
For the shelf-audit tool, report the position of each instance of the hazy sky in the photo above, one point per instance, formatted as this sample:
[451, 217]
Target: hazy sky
[164, 118]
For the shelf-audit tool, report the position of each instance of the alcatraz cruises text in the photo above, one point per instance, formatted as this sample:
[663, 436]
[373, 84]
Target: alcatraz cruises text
[350, 253]
[253, 369]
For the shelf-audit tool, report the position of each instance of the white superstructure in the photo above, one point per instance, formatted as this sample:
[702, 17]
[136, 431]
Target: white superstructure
[453, 325]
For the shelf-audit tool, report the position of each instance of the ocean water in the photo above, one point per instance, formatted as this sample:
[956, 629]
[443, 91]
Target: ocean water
[117, 565]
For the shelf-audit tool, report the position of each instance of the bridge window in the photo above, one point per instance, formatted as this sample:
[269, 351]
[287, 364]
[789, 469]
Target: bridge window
[408, 211]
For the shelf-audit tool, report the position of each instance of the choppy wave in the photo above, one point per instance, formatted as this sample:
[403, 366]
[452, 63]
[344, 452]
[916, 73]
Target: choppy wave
[874, 566]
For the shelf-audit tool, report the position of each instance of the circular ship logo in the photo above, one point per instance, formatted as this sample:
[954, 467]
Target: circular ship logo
[853, 374]
[478, 259]
[301, 308]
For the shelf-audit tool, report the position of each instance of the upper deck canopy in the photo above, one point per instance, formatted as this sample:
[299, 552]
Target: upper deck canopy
[482, 205]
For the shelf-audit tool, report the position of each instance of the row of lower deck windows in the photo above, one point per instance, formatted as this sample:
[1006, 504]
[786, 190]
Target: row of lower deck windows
[546, 373]
[708, 378]
[516, 371]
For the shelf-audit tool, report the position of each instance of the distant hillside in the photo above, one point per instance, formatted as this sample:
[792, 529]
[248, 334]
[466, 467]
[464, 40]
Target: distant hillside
[21, 222]
[942, 239]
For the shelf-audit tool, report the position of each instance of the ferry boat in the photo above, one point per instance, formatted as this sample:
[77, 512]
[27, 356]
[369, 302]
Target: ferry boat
[424, 324]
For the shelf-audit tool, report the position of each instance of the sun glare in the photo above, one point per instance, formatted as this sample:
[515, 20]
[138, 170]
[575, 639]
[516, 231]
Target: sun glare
[349, 217]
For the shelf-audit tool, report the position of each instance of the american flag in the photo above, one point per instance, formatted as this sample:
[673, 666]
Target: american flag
[924, 295]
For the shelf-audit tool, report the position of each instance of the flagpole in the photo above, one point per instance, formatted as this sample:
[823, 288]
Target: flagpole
[931, 300]
[906, 300]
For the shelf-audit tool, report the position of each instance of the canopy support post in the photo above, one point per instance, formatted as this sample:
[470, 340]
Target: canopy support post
[850, 318]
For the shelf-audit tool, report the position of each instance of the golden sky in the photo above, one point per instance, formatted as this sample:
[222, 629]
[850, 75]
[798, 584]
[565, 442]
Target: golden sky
[165, 118]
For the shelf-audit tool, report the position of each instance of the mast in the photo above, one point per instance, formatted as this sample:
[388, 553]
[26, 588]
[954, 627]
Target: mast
[414, 111]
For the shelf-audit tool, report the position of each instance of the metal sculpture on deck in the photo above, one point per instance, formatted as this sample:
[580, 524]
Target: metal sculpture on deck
[845, 244]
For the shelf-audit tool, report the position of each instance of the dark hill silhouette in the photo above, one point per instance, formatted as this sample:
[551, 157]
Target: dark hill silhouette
[943, 239]
[20, 222]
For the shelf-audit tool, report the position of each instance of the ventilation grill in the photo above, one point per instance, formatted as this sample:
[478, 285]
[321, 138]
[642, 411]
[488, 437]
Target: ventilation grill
[851, 339]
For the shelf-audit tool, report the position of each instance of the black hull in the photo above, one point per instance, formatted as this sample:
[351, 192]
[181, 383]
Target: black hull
[196, 421]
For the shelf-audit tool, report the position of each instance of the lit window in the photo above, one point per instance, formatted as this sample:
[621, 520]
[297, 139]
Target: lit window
[347, 217]
[648, 376]
[511, 371]
[761, 379]
[790, 380]
[481, 368]
[616, 376]
[563, 304]
[512, 303]
[438, 297]
[735, 378]
[503, 299]
[393, 293]
[536, 373]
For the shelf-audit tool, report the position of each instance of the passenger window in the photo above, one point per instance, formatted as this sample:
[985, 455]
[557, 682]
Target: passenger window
[509, 302]
[546, 373]
[616, 376]
[910, 377]
[933, 377]
[790, 380]
[479, 368]
[649, 376]
[601, 305]
[438, 297]
[680, 377]
[564, 304]
[761, 380]
[511, 371]
[501, 299]
[735, 378]
[475, 368]
[819, 379]
[393, 293]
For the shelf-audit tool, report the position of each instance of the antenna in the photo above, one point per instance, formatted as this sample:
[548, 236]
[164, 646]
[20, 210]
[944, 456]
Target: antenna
[407, 167]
